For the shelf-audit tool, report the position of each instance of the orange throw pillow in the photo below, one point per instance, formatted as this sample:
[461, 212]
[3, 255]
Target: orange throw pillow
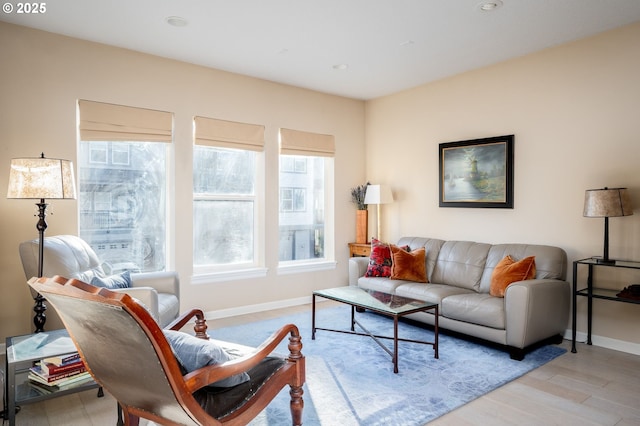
[409, 266]
[508, 271]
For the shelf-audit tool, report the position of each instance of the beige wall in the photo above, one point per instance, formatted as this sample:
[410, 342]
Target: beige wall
[575, 114]
[41, 77]
[573, 109]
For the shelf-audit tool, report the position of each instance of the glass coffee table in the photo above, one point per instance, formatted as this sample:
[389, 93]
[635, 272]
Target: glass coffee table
[383, 303]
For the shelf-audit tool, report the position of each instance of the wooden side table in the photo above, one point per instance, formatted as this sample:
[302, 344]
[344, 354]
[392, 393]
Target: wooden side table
[359, 249]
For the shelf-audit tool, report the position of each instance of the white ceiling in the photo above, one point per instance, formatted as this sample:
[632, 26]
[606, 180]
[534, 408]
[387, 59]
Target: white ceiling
[387, 45]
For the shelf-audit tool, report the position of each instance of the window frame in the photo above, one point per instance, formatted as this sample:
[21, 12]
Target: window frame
[327, 262]
[169, 259]
[204, 274]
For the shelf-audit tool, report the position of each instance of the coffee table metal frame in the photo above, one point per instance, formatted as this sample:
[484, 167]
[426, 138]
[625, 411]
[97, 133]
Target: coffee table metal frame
[352, 296]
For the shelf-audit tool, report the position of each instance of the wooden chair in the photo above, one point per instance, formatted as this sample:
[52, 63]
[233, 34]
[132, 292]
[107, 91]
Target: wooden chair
[127, 353]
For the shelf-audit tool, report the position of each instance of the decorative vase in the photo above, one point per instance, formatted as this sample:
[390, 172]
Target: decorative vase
[362, 223]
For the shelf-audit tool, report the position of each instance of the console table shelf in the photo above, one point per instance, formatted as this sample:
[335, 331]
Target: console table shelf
[607, 294]
[591, 292]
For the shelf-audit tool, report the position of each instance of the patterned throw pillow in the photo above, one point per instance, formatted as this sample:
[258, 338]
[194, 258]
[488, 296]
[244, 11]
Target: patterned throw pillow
[380, 259]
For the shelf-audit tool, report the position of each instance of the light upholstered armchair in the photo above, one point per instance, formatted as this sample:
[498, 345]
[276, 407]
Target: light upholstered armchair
[71, 257]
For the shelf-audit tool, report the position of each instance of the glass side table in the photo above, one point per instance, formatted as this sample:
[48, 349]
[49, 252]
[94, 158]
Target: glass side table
[22, 351]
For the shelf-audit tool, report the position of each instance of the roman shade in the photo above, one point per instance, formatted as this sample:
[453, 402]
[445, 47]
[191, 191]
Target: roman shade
[101, 121]
[296, 142]
[228, 134]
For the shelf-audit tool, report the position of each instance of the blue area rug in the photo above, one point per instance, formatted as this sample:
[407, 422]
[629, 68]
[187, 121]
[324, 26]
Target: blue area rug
[350, 379]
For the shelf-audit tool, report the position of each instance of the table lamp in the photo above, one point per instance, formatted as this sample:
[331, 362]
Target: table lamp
[606, 203]
[40, 179]
[378, 194]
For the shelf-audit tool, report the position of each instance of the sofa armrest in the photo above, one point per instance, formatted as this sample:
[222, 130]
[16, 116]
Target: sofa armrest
[536, 310]
[357, 269]
[161, 281]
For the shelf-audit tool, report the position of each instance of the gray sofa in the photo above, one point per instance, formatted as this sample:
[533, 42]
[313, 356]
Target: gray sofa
[459, 276]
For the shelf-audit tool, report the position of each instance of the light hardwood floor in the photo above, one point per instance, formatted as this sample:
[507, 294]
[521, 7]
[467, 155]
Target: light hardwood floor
[596, 386]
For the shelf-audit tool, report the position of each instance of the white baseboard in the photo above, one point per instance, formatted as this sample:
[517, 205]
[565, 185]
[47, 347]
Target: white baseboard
[606, 342]
[260, 307]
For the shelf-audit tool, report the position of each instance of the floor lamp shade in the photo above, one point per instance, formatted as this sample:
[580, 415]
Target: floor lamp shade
[606, 203]
[39, 179]
[378, 194]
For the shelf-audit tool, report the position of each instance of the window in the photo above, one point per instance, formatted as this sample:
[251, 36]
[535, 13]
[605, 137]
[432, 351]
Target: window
[123, 207]
[227, 158]
[306, 183]
[122, 173]
[224, 205]
[293, 199]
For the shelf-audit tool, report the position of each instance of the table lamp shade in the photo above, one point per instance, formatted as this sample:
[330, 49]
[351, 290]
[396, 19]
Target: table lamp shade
[607, 202]
[378, 194]
[41, 178]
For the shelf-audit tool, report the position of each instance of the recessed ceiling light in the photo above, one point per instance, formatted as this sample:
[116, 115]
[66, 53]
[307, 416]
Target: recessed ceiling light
[340, 67]
[489, 6]
[176, 21]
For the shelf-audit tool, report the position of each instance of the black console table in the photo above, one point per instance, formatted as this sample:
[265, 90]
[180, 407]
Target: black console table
[591, 292]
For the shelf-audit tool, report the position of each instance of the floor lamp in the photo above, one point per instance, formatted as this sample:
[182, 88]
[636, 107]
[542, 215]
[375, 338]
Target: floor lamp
[606, 203]
[40, 179]
[378, 194]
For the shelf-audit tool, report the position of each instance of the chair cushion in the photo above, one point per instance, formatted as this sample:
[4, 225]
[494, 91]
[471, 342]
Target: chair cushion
[168, 308]
[219, 402]
[193, 353]
[122, 280]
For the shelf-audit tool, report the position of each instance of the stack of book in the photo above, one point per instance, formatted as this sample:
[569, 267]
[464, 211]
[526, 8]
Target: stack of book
[59, 373]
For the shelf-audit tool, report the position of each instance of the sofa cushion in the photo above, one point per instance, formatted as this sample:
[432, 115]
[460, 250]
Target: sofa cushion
[384, 284]
[433, 293]
[460, 263]
[431, 246]
[508, 271]
[475, 308]
[409, 266]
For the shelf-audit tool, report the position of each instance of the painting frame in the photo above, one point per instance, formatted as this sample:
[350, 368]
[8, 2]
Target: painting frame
[477, 173]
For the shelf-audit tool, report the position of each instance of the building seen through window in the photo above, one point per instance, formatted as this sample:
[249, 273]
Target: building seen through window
[301, 217]
[122, 200]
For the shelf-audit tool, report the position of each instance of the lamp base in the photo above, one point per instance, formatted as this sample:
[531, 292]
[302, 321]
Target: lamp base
[39, 308]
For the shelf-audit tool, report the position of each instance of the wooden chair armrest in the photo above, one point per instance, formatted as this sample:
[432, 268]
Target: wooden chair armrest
[200, 327]
[213, 373]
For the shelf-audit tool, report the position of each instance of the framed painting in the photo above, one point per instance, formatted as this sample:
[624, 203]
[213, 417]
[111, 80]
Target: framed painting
[477, 173]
